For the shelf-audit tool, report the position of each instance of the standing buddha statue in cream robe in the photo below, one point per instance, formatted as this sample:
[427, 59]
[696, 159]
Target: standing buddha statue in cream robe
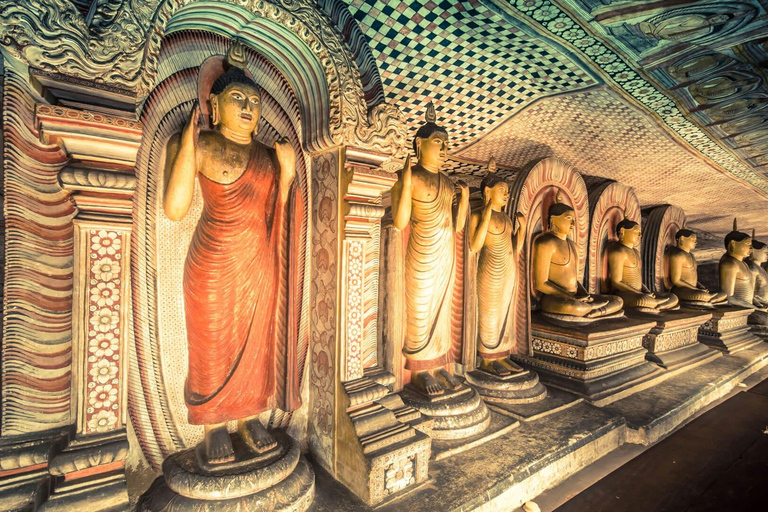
[423, 199]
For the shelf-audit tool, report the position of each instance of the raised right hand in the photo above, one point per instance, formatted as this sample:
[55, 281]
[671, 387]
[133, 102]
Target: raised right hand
[407, 172]
[191, 131]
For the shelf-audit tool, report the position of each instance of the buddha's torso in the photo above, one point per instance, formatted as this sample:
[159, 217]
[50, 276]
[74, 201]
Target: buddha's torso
[761, 280]
[219, 159]
[744, 288]
[432, 199]
[564, 265]
[498, 238]
[632, 276]
[688, 271]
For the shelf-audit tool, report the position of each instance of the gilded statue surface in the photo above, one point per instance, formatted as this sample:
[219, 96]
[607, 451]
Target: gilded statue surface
[232, 269]
[498, 241]
[755, 264]
[625, 271]
[736, 279]
[684, 275]
[423, 199]
[555, 272]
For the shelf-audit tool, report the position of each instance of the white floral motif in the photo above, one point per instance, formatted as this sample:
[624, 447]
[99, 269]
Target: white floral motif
[102, 396]
[104, 320]
[106, 269]
[105, 294]
[104, 344]
[103, 371]
[105, 242]
[103, 421]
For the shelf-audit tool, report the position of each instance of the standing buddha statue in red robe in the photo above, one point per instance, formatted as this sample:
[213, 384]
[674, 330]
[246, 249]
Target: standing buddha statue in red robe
[233, 271]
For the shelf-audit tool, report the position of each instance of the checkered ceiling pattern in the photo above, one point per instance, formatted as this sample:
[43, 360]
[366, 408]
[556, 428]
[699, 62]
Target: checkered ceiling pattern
[477, 68]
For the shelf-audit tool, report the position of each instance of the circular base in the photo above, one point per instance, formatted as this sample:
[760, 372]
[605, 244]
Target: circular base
[293, 494]
[458, 414]
[519, 388]
[185, 476]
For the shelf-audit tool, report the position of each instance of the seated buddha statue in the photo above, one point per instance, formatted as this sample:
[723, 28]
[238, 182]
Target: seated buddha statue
[555, 272]
[755, 263]
[625, 272]
[736, 280]
[684, 276]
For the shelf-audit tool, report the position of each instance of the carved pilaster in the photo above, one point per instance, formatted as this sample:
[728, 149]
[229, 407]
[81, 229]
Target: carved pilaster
[102, 151]
[382, 447]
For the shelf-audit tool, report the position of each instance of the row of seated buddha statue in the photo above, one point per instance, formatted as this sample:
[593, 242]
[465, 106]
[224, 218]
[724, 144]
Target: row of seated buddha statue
[607, 334]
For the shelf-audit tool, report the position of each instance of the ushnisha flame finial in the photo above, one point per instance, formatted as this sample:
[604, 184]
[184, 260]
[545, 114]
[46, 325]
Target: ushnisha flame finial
[735, 228]
[236, 54]
[492, 165]
[431, 115]
[558, 197]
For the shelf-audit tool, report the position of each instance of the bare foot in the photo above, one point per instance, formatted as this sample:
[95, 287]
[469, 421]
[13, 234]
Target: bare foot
[510, 365]
[255, 435]
[494, 367]
[218, 446]
[450, 380]
[426, 383]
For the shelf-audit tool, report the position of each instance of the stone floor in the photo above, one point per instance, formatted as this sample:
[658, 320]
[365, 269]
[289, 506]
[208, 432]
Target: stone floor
[545, 449]
[718, 462]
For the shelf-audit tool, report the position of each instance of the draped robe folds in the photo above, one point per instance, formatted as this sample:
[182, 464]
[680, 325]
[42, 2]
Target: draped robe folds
[495, 288]
[429, 279]
[232, 280]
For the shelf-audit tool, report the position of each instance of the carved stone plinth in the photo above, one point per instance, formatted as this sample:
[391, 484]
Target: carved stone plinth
[280, 479]
[758, 323]
[728, 330]
[674, 342]
[389, 449]
[457, 413]
[517, 388]
[601, 361]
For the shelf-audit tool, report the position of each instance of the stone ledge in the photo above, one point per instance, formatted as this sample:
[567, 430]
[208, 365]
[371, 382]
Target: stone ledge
[655, 412]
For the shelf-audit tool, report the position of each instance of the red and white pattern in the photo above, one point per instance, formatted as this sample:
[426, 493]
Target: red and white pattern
[103, 407]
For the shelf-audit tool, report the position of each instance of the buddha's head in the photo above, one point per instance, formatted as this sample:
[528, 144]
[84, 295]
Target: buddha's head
[686, 239]
[495, 188]
[759, 252]
[235, 103]
[561, 219]
[737, 243]
[628, 232]
[431, 142]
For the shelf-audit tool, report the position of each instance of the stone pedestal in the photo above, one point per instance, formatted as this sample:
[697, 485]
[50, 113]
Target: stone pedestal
[758, 323]
[457, 414]
[601, 361]
[280, 480]
[673, 343]
[517, 388]
[388, 448]
[728, 330]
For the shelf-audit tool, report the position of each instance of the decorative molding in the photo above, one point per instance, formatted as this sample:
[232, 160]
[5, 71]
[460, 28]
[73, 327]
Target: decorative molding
[50, 35]
[90, 136]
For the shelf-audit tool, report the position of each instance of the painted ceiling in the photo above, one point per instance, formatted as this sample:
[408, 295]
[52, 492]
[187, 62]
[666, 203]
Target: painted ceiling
[666, 96]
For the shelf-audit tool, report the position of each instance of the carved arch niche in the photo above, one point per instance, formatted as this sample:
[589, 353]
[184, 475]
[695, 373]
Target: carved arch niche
[609, 203]
[160, 245]
[660, 225]
[534, 190]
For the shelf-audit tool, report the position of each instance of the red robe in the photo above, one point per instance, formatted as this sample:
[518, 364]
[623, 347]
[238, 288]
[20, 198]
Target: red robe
[231, 291]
